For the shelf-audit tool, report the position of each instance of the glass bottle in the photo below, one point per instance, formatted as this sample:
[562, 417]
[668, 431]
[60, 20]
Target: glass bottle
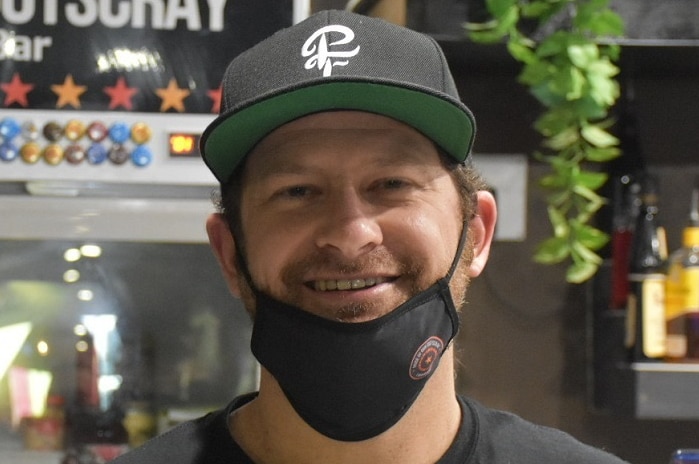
[626, 171]
[623, 219]
[646, 332]
[682, 288]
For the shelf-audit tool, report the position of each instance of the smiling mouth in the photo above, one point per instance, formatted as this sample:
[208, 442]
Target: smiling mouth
[347, 284]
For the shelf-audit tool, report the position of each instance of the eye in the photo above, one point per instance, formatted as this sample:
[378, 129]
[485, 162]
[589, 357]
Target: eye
[297, 191]
[391, 184]
[294, 192]
[394, 183]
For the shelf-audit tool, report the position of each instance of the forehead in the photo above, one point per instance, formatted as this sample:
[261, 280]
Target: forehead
[368, 137]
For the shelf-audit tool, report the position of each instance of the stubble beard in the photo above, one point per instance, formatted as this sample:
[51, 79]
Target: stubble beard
[409, 268]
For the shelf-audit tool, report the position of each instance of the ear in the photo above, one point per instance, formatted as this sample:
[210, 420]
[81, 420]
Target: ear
[482, 230]
[223, 245]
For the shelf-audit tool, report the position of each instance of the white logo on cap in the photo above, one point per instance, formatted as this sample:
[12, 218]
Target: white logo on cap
[320, 56]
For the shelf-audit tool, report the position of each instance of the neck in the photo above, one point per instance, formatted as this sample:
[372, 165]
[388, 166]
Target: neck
[269, 430]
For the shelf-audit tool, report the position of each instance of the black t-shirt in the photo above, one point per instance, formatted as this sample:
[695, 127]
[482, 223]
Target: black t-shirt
[486, 436]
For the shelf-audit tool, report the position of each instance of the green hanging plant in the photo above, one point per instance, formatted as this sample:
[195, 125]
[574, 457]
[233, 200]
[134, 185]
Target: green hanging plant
[571, 72]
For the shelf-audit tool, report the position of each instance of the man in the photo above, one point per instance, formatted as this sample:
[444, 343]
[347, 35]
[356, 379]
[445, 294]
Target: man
[351, 222]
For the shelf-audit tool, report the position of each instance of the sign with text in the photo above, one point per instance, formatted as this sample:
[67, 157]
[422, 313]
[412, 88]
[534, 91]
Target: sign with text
[126, 55]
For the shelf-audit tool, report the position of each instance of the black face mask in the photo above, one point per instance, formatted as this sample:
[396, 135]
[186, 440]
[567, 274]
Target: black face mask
[353, 381]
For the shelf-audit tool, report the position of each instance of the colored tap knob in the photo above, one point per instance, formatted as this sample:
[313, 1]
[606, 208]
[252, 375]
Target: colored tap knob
[74, 130]
[97, 131]
[9, 128]
[141, 156]
[53, 154]
[30, 152]
[119, 132]
[96, 153]
[8, 151]
[75, 153]
[141, 133]
[30, 131]
[118, 154]
[53, 131]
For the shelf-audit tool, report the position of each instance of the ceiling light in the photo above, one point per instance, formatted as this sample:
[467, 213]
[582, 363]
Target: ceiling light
[85, 295]
[71, 276]
[71, 255]
[91, 251]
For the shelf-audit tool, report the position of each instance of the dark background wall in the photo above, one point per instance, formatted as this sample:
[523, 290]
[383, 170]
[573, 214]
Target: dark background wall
[525, 344]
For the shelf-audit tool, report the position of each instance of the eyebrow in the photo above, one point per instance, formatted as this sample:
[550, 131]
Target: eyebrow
[396, 153]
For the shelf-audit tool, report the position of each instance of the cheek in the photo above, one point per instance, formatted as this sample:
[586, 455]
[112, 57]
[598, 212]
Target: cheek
[269, 249]
[434, 237]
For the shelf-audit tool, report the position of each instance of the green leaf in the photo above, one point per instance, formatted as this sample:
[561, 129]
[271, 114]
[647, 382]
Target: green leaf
[553, 181]
[598, 136]
[585, 254]
[484, 26]
[563, 139]
[587, 193]
[611, 51]
[587, 12]
[487, 36]
[539, 156]
[591, 180]
[536, 9]
[509, 19]
[567, 82]
[561, 164]
[503, 25]
[604, 90]
[559, 199]
[554, 44]
[535, 72]
[555, 120]
[591, 237]
[543, 93]
[559, 222]
[551, 251]
[520, 51]
[542, 10]
[579, 272]
[582, 55]
[606, 23]
[602, 155]
[500, 8]
[589, 108]
[603, 67]
[577, 83]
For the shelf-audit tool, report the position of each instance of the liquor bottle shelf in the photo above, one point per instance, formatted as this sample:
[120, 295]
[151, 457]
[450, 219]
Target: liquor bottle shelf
[654, 390]
[642, 390]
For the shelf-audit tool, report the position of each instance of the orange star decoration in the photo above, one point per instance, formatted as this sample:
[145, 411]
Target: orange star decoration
[172, 96]
[68, 93]
[16, 91]
[120, 94]
[215, 96]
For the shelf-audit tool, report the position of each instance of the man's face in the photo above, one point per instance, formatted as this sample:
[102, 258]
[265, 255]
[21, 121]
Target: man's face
[347, 215]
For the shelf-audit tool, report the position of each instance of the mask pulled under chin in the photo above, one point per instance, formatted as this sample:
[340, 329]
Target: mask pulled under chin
[353, 381]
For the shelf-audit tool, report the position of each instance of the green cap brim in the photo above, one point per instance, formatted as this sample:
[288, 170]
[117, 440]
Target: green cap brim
[231, 137]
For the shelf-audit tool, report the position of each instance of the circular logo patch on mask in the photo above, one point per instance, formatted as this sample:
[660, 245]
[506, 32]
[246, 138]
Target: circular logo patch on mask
[425, 358]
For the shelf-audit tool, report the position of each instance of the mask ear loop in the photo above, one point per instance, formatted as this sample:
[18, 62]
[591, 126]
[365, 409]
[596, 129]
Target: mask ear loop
[459, 252]
[444, 284]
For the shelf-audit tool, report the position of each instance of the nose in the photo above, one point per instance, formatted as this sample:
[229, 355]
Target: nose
[349, 226]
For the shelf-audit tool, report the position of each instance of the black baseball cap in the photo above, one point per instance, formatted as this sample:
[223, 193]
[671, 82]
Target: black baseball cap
[336, 60]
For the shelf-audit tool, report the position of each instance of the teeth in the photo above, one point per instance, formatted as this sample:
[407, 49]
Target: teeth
[325, 285]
